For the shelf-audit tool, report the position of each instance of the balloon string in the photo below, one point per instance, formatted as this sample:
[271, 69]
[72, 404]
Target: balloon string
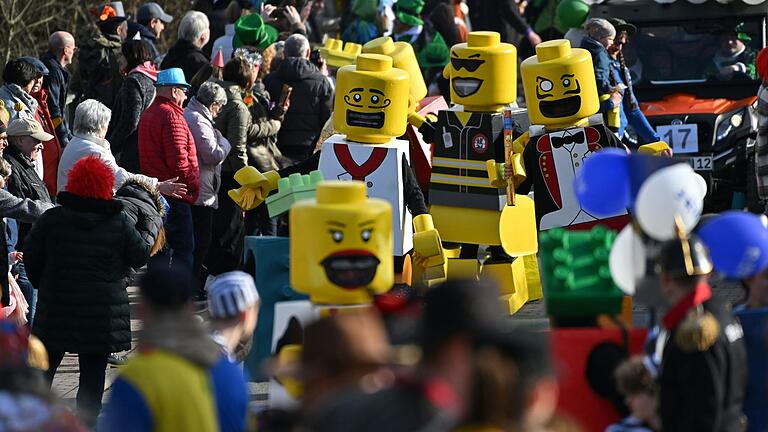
[689, 270]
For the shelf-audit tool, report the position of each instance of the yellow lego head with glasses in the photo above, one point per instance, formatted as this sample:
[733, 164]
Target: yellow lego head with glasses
[559, 84]
[483, 72]
[342, 255]
[371, 104]
[403, 57]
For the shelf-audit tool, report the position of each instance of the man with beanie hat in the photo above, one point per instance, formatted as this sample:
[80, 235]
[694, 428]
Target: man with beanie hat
[233, 305]
[180, 380]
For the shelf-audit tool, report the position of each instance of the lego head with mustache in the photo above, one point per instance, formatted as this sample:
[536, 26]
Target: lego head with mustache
[559, 84]
[371, 104]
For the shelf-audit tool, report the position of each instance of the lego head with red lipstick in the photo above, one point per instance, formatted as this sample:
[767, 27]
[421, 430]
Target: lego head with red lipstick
[341, 245]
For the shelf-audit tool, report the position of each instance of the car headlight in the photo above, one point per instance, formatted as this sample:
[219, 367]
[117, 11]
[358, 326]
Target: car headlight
[729, 123]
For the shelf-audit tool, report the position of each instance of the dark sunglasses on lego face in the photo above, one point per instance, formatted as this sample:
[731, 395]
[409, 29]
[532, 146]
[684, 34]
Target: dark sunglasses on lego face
[470, 65]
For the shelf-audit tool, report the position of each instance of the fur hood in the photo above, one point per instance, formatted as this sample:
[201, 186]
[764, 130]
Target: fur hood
[141, 189]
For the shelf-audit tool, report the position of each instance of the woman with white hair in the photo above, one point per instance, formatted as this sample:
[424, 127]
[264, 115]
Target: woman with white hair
[187, 53]
[212, 148]
[89, 131]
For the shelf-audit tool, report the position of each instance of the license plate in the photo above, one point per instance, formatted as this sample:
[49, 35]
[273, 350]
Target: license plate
[701, 163]
[682, 138]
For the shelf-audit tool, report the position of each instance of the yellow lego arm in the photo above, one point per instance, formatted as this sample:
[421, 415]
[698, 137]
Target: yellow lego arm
[416, 119]
[428, 249]
[658, 148]
[518, 145]
[497, 172]
[255, 187]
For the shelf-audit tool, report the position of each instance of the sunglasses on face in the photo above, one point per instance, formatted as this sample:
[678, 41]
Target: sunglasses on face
[470, 65]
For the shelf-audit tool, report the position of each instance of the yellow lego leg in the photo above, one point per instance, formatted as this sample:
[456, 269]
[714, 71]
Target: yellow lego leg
[532, 277]
[463, 268]
[511, 279]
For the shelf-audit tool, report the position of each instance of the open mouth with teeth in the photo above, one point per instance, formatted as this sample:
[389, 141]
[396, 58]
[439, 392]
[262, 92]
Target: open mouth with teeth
[367, 120]
[351, 269]
[466, 86]
[560, 108]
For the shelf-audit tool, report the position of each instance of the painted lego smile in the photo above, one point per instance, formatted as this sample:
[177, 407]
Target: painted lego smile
[366, 120]
[351, 269]
[466, 86]
[561, 107]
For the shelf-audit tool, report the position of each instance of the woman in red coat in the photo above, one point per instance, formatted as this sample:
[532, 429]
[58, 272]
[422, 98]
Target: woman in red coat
[51, 149]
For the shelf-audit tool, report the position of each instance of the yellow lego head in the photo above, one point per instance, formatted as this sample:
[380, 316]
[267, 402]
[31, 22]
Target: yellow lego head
[403, 57]
[483, 72]
[371, 104]
[559, 84]
[342, 253]
[337, 54]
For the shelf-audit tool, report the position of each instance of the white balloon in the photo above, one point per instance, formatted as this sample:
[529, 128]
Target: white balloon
[627, 260]
[672, 191]
[702, 182]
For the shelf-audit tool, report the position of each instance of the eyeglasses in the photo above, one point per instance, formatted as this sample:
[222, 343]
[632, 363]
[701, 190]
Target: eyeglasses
[183, 89]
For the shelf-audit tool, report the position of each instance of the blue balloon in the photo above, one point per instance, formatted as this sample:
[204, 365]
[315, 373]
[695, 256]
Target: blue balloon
[602, 186]
[737, 242]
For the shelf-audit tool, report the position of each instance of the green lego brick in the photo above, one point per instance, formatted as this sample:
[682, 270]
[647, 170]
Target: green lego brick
[291, 190]
[575, 273]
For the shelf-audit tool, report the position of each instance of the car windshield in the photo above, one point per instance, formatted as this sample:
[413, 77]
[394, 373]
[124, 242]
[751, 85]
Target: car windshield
[696, 52]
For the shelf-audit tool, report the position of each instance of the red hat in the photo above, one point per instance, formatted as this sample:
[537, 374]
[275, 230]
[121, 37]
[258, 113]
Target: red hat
[761, 63]
[90, 177]
[218, 60]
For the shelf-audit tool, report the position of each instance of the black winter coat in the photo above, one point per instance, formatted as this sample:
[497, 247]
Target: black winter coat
[186, 56]
[78, 256]
[143, 205]
[24, 183]
[98, 72]
[704, 390]
[311, 105]
[134, 97]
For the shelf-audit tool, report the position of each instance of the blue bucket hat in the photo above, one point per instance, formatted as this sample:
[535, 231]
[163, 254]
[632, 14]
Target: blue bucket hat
[171, 77]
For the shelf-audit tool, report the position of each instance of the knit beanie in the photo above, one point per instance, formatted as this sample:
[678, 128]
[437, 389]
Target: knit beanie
[230, 294]
[90, 177]
[598, 28]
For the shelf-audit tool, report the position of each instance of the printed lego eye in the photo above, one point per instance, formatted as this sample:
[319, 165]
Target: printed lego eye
[366, 234]
[337, 236]
[375, 99]
[566, 82]
[545, 85]
[357, 97]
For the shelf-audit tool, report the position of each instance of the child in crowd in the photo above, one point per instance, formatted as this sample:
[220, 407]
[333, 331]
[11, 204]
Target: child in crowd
[638, 387]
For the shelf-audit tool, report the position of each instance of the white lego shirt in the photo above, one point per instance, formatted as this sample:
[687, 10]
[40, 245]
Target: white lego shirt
[380, 166]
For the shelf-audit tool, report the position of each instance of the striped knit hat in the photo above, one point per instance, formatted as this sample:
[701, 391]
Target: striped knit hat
[231, 293]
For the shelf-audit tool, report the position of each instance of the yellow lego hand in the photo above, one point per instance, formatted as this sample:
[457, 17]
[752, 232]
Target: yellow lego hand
[499, 174]
[428, 249]
[255, 187]
[496, 175]
[658, 148]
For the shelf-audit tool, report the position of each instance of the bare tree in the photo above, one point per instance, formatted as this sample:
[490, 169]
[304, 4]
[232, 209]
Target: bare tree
[26, 24]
